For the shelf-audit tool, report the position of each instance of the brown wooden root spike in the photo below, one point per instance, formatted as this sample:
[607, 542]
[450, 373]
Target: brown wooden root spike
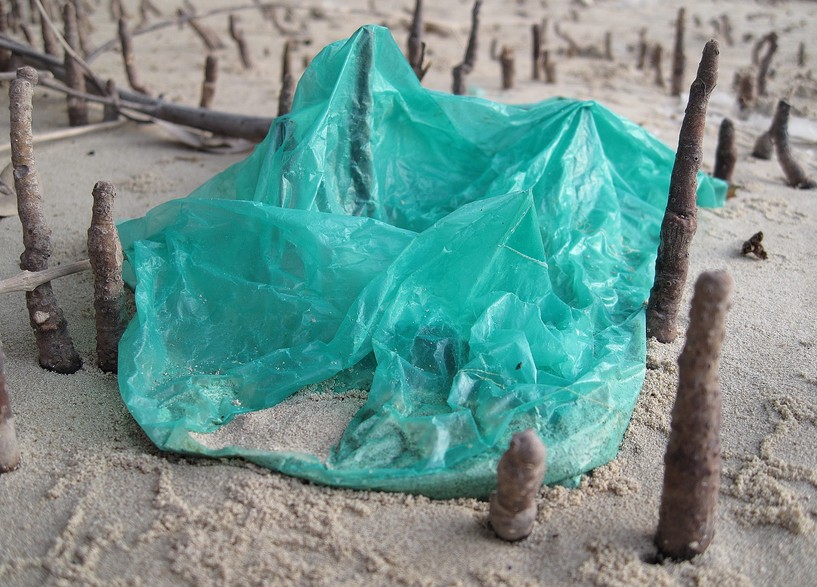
[520, 473]
[508, 64]
[105, 254]
[678, 57]
[765, 62]
[763, 146]
[536, 52]
[642, 49]
[726, 153]
[208, 86]
[416, 47]
[680, 218]
[77, 107]
[657, 63]
[287, 81]
[467, 65]
[128, 58]
[56, 349]
[9, 450]
[795, 175]
[755, 247]
[237, 33]
[692, 463]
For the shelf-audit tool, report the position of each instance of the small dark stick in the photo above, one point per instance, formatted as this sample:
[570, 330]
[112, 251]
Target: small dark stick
[416, 49]
[608, 46]
[467, 65]
[755, 246]
[237, 33]
[105, 254]
[726, 153]
[536, 56]
[9, 450]
[83, 27]
[549, 67]
[680, 219]
[77, 107]
[657, 63]
[692, 463]
[508, 64]
[678, 57]
[765, 62]
[801, 54]
[56, 349]
[520, 473]
[126, 42]
[287, 81]
[795, 175]
[208, 86]
[642, 49]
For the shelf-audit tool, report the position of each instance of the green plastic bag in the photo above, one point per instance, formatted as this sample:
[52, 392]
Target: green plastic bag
[480, 268]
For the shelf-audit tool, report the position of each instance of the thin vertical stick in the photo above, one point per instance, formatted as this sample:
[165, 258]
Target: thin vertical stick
[50, 43]
[608, 46]
[126, 43]
[83, 27]
[692, 463]
[9, 450]
[416, 50]
[657, 62]
[208, 36]
[765, 62]
[726, 153]
[549, 67]
[536, 56]
[77, 107]
[237, 33]
[287, 81]
[467, 65]
[111, 111]
[795, 175]
[642, 49]
[678, 57]
[208, 86]
[508, 64]
[105, 254]
[56, 349]
[680, 218]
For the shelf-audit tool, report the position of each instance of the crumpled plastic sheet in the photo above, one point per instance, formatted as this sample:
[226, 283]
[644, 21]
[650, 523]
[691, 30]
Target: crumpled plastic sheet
[481, 268]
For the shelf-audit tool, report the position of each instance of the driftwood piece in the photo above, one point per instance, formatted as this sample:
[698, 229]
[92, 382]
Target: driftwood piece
[9, 449]
[56, 349]
[726, 154]
[680, 219]
[105, 254]
[30, 280]
[520, 473]
[463, 69]
[795, 174]
[678, 57]
[692, 462]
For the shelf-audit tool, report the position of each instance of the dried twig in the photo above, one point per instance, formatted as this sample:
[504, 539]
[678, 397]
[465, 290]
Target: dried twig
[9, 449]
[755, 246]
[642, 49]
[795, 174]
[77, 107]
[287, 81]
[726, 153]
[208, 86]
[692, 463]
[678, 57]
[801, 54]
[520, 473]
[68, 133]
[680, 218]
[508, 63]
[30, 280]
[237, 33]
[128, 58]
[549, 68]
[105, 255]
[467, 65]
[56, 349]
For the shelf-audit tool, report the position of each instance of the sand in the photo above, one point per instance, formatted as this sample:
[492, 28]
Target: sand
[94, 503]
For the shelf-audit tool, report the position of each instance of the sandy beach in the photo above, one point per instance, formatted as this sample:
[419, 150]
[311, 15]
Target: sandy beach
[95, 503]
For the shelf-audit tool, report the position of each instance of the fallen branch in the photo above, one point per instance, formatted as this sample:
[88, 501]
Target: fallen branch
[68, 133]
[30, 280]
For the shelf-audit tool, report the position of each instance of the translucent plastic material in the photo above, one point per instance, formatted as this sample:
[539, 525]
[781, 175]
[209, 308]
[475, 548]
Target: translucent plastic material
[479, 268]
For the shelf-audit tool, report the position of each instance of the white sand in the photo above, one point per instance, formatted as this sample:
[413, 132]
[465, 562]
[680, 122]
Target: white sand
[94, 503]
